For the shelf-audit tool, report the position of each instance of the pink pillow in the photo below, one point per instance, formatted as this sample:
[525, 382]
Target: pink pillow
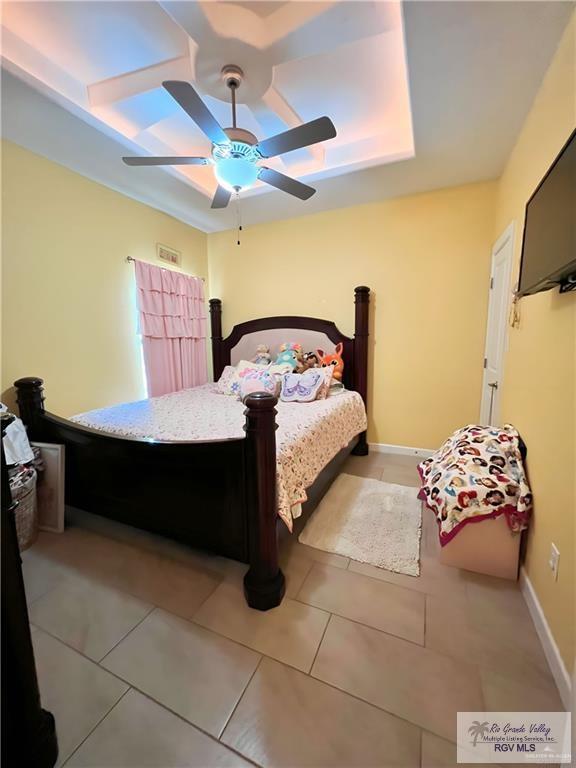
[258, 381]
[232, 385]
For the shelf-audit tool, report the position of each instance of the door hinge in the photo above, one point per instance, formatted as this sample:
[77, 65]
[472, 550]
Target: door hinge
[485, 362]
[491, 283]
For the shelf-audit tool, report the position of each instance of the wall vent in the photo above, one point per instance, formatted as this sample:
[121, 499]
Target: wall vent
[168, 254]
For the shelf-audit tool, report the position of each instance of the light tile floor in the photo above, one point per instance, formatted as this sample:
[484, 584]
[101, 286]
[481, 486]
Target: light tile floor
[148, 656]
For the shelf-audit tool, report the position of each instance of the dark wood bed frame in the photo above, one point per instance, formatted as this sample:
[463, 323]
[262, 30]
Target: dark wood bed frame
[218, 495]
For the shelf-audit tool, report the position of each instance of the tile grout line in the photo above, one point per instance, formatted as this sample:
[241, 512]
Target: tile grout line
[124, 636]
[254, 650]
[425, 620]
[256, 668]
[366, 626]
[80, 653]
[421, 746]
[309, 673]
[218, 585]
[71, 755]
[361, 575]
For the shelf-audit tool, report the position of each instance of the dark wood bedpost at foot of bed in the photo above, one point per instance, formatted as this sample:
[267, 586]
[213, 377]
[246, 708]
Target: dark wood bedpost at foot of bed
[362, 311]
[264, 582]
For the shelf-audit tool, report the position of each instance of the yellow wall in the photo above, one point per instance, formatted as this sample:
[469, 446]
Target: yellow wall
[539, 384]
[68, 299]
[427, 260]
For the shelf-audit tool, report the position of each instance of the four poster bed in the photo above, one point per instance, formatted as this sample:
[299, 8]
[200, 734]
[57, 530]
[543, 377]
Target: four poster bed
[217, 494]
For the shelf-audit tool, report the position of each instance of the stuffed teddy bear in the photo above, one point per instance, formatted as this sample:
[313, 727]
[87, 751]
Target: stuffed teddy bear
[262, 356]
[335, 360]
[291, 353]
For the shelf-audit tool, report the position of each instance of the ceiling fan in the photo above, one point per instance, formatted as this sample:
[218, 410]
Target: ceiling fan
[236, 152]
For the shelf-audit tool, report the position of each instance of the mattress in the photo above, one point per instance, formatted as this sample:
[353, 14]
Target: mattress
[309, 435]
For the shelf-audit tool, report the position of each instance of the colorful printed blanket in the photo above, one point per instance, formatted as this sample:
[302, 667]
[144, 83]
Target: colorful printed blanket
[478, 473]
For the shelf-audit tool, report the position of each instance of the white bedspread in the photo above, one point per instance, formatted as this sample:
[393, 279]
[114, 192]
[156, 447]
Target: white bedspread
[309, 435]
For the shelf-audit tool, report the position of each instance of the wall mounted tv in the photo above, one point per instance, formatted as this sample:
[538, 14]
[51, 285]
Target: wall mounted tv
[549, 244]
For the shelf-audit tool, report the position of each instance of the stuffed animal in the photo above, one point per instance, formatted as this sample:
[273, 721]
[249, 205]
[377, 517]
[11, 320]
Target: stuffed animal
[335, 360]
[291, 353]
[262, 356]
[310, 360]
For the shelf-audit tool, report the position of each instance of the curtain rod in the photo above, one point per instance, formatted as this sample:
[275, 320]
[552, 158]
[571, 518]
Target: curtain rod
[131, 258]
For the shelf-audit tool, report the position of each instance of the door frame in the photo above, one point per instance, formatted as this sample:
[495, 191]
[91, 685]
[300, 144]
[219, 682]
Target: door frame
[506, 238]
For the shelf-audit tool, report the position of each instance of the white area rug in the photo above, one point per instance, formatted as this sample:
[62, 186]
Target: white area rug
[369, 521]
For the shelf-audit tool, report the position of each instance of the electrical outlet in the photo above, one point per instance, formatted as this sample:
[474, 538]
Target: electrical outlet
[554, 560]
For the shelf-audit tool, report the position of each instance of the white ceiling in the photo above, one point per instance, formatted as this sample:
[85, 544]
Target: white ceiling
[82, 85]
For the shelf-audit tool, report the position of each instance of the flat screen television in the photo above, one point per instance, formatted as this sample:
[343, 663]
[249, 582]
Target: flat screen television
[549, 243]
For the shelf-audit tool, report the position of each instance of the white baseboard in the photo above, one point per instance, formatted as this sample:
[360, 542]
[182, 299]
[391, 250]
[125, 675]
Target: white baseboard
[402, 450]
[557, 666]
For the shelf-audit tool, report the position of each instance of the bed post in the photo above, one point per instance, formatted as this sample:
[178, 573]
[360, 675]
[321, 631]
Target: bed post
[264, 582]
[30, 737]
[30, 399]
[362, 306]
[216, 333]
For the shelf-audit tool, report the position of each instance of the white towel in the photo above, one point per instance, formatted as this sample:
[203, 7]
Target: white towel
[16, 445]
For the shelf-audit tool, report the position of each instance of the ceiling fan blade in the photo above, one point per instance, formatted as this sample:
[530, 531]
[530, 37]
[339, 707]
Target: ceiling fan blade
[321, 129]
[221, 198]
[191, 103]
[165, 160]
[286, 184]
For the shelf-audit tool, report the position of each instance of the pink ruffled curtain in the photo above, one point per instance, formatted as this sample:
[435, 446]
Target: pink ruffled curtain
[172, 321]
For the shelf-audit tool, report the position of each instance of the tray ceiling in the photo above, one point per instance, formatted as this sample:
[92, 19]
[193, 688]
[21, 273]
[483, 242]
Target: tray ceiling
[301, 60]
[409, 88]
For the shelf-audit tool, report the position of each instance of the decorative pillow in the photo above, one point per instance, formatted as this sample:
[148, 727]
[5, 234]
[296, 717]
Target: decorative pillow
[279, 369]
[223, 383]
[229, 382]
[302, 387]
[258, 381]
[326, 384]
[232, 385]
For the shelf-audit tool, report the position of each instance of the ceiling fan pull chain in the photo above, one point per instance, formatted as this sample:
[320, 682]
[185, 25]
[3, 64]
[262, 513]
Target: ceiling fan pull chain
[238, 216]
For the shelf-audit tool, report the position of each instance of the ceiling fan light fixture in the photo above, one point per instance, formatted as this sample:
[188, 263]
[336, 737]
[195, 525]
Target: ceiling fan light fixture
[235, 165]
[236, 173]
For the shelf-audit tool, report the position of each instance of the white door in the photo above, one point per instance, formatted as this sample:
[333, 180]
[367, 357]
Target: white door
[496, 331]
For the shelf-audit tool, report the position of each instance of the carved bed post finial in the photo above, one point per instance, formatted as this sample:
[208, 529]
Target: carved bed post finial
[30, 398]
[216, 334]
[264, 582]
[362, 310]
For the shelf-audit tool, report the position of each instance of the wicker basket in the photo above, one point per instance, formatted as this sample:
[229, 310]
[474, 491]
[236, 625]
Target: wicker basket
[26, 513]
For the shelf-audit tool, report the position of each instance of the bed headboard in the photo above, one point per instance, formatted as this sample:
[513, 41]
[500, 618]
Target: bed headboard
[242, 341]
